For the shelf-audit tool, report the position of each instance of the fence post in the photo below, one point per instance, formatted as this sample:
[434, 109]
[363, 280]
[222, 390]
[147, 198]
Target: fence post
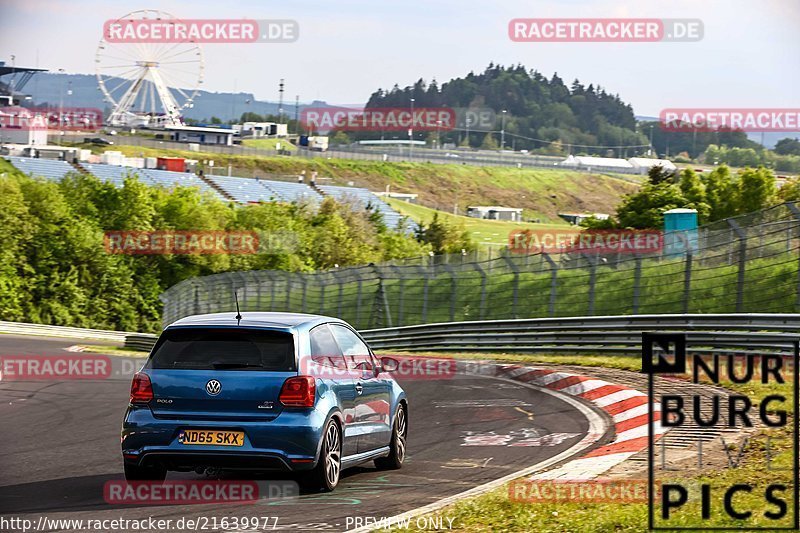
[637, 282]
[515, 298]
[482, 308]
[453, 291]
[551, 305]
[425, 275]
[339, 282]
[272, 289]
[796, 212]
[288, 298]
[742, 263]
[592, 281]
[687, 280]
[304, 284]
[358, 301]
[400, 290]
[321, 277]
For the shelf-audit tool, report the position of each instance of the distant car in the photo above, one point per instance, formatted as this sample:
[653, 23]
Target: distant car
[99, 140]
[451, 155]
[272, 391]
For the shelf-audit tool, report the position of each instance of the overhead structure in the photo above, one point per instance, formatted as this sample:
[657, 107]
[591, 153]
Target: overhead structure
[148, 84]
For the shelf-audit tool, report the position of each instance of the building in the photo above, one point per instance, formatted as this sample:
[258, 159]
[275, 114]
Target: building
[589, 163]
[493, 212]
[577, 218]
[264, 129]
[201, 134]
[644, 164]
[407, 197]
[19, 126]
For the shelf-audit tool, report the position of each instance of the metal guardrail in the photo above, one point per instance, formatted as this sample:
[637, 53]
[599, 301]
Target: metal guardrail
[735, 333]
[21, 328]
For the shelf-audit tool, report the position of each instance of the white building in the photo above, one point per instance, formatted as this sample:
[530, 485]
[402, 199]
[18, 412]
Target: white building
[597, 163]
[264, 129]
[201, 134]
[19, 126]
[644, 164]
[493, 212]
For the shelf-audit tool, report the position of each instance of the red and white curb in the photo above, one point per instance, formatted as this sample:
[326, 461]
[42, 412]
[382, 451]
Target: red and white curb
[627, 408]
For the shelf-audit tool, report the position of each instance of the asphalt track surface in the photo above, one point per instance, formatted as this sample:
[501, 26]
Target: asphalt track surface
[59, 445]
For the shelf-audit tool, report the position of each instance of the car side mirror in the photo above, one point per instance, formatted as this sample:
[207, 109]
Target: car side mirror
[389, 364]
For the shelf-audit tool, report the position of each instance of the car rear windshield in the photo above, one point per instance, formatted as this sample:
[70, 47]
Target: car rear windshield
[224, 349]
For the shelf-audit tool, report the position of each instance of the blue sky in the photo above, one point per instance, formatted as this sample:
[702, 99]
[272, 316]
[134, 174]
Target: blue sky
[750, 56]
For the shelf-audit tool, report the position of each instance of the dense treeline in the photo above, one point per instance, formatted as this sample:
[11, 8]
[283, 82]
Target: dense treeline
[540, 111]
[715, 195]
[54, 267]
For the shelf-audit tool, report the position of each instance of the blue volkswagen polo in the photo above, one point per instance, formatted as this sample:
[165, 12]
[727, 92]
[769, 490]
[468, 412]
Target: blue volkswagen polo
[270, 391]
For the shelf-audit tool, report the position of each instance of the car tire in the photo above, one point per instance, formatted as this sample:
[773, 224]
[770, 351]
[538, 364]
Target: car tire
[145, 473]
[397, 453]
[325, 476]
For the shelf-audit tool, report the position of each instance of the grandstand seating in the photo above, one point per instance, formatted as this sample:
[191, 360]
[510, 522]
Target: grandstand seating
[291, 192]
[116, 174]
[366, 198]
[51, 169]
[244, 190]
[167, 178]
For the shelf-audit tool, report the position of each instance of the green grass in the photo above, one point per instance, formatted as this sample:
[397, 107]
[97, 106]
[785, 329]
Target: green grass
[494, 511]
[543, 193]
[770, 286]
[269, 144]
[483, 232]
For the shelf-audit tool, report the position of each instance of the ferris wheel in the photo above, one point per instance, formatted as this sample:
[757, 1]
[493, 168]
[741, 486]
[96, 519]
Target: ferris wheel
[148, 83]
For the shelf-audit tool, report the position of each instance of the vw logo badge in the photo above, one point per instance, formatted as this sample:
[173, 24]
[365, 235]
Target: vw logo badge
[213, 387]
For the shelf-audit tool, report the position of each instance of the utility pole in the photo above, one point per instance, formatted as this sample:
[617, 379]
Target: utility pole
[411, 133]
[297, 114]
[503, 132]
[280, 101]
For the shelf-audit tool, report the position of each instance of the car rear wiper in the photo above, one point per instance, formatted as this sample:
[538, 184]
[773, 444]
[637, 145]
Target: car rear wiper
[228, 366]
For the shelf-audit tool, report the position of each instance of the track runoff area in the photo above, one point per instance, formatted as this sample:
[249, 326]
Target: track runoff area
[61, 469]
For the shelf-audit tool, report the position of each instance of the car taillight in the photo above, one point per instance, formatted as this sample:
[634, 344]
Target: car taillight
[299, 391]
[141, 388]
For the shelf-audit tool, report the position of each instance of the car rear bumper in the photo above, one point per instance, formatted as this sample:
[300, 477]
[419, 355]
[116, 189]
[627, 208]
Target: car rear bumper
[288, 443]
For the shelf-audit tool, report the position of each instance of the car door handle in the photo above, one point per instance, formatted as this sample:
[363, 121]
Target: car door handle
[359, 388]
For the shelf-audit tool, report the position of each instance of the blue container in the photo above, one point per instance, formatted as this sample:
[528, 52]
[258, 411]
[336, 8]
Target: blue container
[680, 231]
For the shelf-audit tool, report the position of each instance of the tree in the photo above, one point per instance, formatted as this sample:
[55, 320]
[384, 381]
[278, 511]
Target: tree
[722, 194]
[756, 189]
[645, 208]
[788, 147]
[444, 238]
[694, 191]
[489, 143]
[658, 174]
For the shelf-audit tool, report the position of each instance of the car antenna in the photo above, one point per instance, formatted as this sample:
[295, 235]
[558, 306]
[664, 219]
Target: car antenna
[238, 313]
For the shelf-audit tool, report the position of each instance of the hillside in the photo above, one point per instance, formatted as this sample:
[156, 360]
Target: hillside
[542, 193]
[483, 232]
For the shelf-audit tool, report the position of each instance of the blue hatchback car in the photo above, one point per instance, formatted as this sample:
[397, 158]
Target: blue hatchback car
[270, 391]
